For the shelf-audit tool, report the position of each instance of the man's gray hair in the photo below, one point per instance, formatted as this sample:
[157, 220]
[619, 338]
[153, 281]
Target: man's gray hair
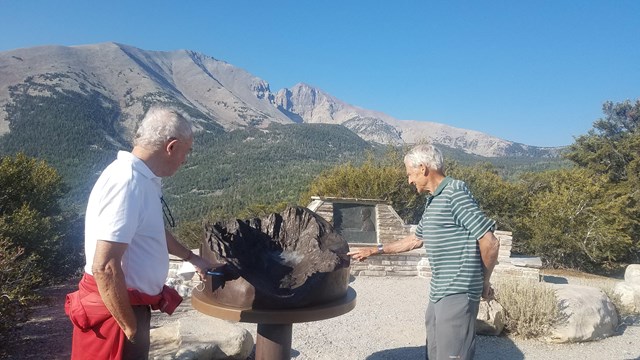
[427, 155]
[159, 125]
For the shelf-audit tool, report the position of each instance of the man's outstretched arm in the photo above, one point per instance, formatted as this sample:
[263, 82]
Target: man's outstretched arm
[407, 243]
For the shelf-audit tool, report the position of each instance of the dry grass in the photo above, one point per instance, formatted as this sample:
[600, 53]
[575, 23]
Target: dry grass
[530, 308]
[623, 310]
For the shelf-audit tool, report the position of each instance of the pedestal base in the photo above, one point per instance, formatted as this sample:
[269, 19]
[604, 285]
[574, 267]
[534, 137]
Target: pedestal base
[274, 326]
[274, 342]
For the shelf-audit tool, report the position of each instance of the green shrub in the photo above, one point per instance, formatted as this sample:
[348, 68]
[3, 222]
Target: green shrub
[36, 237]
[576, 221]
[18, 276]
[530, 308]
[31, 218]
[384, 179]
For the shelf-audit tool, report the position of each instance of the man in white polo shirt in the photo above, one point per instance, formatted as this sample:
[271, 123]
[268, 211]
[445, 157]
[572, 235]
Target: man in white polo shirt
[127, 246]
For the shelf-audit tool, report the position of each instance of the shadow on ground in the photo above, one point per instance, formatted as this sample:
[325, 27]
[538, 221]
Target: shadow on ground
[487, 348]
[625, 322]
[554, 279]
[497, 347]
[399, 353]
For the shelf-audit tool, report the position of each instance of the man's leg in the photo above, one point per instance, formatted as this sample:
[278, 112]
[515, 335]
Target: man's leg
[455, 317]
[139, 349]
[430, 322]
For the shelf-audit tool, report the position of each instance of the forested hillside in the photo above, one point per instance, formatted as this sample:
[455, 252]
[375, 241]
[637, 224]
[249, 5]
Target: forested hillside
[231, 171]
[75, 133]
[78, 134]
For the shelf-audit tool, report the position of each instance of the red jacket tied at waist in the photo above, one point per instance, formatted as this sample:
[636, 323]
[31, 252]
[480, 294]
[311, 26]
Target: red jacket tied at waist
[88, 312]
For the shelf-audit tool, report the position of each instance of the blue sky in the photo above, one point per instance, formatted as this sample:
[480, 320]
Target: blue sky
[535, 72]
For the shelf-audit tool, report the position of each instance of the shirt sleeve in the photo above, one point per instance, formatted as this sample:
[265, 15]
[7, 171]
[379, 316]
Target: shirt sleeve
[118, 212]
[467, 213]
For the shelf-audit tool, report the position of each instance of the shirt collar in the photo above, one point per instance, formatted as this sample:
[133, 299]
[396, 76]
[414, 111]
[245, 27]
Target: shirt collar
[138, 165]
[442, 185]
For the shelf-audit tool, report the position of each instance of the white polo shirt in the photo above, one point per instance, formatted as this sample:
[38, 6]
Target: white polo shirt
[125, 207]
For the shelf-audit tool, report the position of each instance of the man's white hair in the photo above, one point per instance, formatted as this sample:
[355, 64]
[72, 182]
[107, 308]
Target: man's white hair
[427, 155]
[159, 125]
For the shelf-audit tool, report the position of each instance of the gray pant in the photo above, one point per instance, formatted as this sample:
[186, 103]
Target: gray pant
[140, 349]
[451, 328]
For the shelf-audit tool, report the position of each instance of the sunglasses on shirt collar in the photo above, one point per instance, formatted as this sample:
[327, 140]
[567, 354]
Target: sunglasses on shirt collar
[167, 213]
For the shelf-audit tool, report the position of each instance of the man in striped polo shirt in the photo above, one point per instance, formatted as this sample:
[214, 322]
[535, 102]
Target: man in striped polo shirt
[462, 252]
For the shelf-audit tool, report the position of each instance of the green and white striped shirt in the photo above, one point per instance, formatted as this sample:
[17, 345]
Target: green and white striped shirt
[450, 226]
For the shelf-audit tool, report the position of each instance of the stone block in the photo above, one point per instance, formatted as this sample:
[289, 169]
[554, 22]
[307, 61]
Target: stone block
[490, 319]
[629, 295]
[373, 273]
[376, 268]
[402, 268]
[506, 242]
[200, 337]
[632, 274]
[403, 273]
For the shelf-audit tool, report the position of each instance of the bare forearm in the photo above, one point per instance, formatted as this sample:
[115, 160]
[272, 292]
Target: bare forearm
[112, 286]
[175, 247]
[113, 291]
[489, 248]
[408, 243]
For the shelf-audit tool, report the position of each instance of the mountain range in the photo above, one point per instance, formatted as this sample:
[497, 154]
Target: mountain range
[215, 95]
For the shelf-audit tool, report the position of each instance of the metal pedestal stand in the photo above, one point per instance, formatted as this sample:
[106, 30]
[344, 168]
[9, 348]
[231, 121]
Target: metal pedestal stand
[274, 326]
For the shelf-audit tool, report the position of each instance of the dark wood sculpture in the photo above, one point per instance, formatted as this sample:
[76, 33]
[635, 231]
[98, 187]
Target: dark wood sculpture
[289, 260]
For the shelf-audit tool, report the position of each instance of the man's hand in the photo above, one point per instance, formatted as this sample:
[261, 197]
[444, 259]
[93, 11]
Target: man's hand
[131, 335]
[202, 265]
[487, 291]
[362, 254]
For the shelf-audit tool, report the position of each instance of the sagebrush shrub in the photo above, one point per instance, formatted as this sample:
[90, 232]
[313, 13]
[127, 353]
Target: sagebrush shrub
[530, 307]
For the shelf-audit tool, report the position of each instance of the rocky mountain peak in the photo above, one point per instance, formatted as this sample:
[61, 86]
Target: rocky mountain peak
[212, 92]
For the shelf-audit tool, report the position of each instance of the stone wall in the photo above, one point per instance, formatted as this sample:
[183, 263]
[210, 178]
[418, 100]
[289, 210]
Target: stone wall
[389, 225]
[522, 267]
[411, 263]
[416, 263]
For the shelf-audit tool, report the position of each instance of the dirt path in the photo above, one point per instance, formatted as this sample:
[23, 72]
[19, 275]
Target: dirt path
[47, 335]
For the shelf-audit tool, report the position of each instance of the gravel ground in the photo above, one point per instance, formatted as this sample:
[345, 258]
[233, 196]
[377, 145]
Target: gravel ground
[387, 323]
